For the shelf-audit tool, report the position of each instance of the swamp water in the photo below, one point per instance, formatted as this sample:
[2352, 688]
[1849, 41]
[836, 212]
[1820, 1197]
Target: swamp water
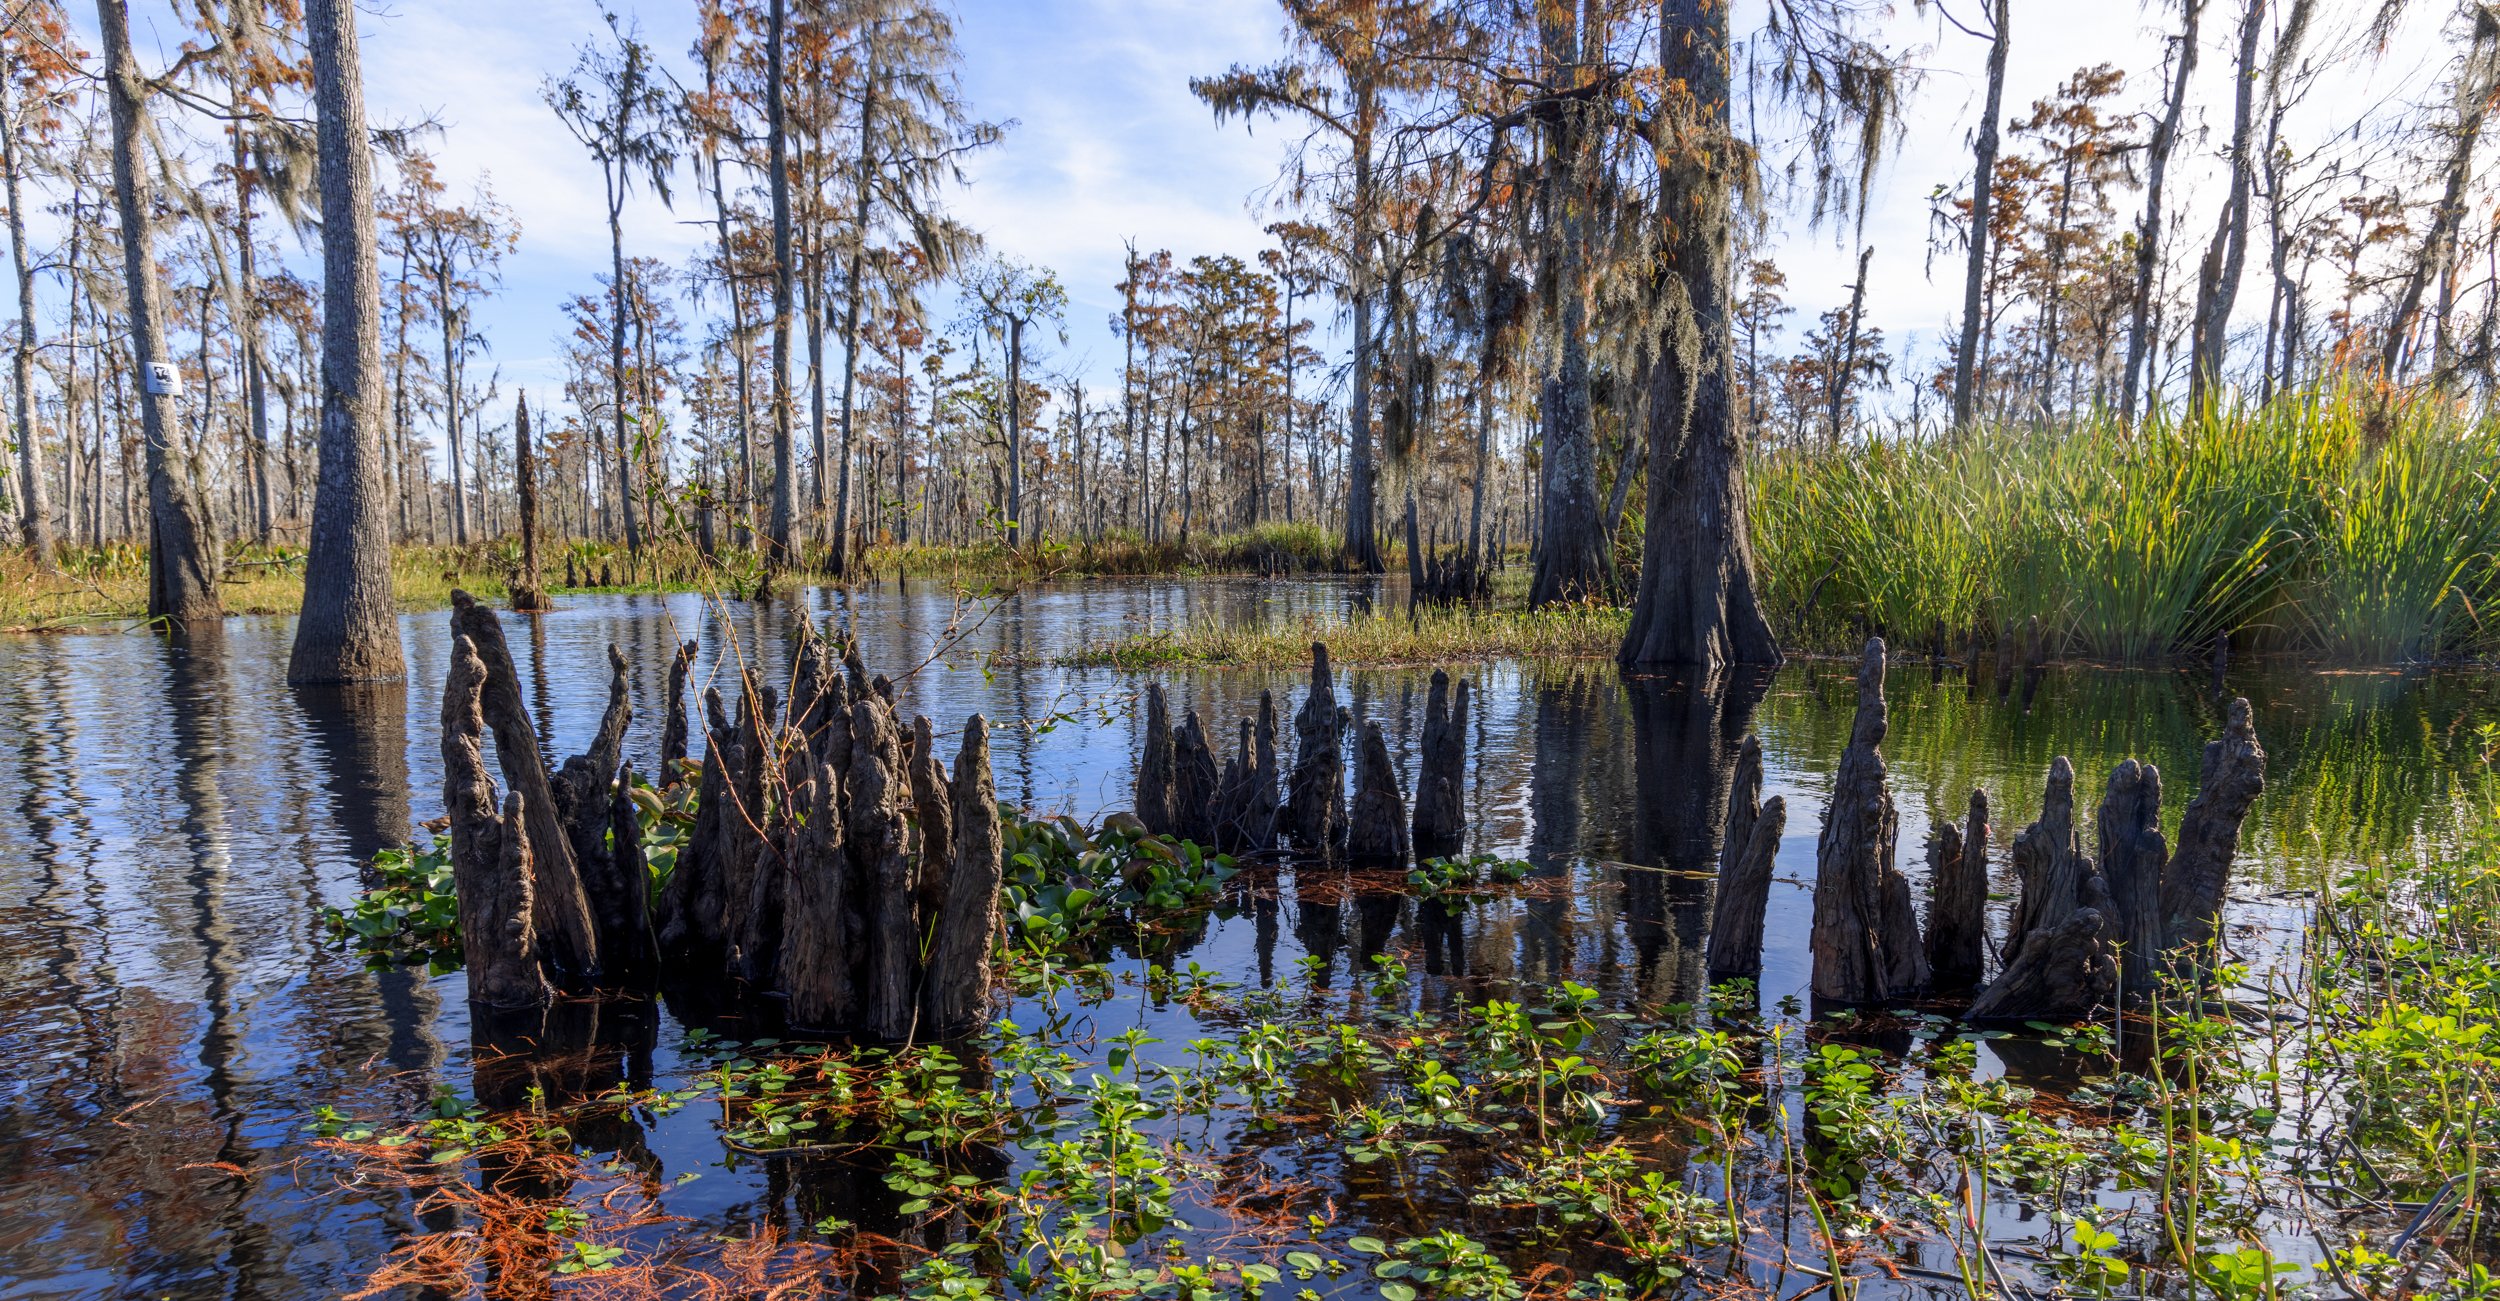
[174, 1014]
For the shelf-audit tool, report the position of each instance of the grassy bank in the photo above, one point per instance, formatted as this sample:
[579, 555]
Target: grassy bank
[107, 587]
[1118, 553]
[2320, 523]
[1385, 637]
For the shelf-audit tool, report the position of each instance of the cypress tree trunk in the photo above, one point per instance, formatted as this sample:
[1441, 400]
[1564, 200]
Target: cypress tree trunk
[2218, 277]
[1982, 202]
[35, 509]
[348, 631]
[1697, 603]
[182, 550]
[2148, 234]
[777, 136]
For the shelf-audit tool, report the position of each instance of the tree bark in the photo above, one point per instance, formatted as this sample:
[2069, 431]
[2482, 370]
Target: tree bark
[2133, 861]
[777, 138]
[182, 547]
[1697, 604]
[528, 596]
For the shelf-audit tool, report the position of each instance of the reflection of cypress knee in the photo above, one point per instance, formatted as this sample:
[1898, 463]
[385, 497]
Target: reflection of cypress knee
[956, 990]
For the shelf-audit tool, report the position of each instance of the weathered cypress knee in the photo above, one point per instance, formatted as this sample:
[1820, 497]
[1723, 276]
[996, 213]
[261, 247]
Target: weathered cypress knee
[1735, 947]
[585, 790]
[1154, 766]
[1440, 811]
[955, 993]
[674, 732]
[628, 949]
[1957, 912]
[692, 924]
[881, 848]
[2133, 856]
[1260, 818]
[744, 847]
[489, 855]
[1376, 825]
[933, 818]
[2233, 775]
[1865, 936]
[2064, 974]
[566, 935]
[2049, 864]
[1194, 783]
[816, 964]
[2061, 959]
[1315, 802]
[1232, 792]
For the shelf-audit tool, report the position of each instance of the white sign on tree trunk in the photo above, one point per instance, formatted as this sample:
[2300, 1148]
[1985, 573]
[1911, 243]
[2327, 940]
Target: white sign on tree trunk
[163, 379]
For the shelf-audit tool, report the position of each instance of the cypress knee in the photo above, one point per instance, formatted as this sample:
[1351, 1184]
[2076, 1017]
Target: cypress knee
[1865, 936]
[566, 934]
[2133, 858]
[1735, 948]
[1154, 767]
[1315, 802]
[1376, 826]
[673, 733]
[1194, 783]
[955, 994]
[1440, 811]
[880, 848]
[1957, 912]
[489, 854]
[816, 963]
[933, 816]
[2233, 775]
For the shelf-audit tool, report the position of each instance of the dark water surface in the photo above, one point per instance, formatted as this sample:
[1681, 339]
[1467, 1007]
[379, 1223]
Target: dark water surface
[172, 816]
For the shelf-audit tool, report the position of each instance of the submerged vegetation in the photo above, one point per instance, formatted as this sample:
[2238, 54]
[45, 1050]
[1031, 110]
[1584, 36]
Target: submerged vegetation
[2323, 1118]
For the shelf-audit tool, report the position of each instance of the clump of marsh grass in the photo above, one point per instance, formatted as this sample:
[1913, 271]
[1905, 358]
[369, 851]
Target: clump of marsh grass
[2326, 522]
